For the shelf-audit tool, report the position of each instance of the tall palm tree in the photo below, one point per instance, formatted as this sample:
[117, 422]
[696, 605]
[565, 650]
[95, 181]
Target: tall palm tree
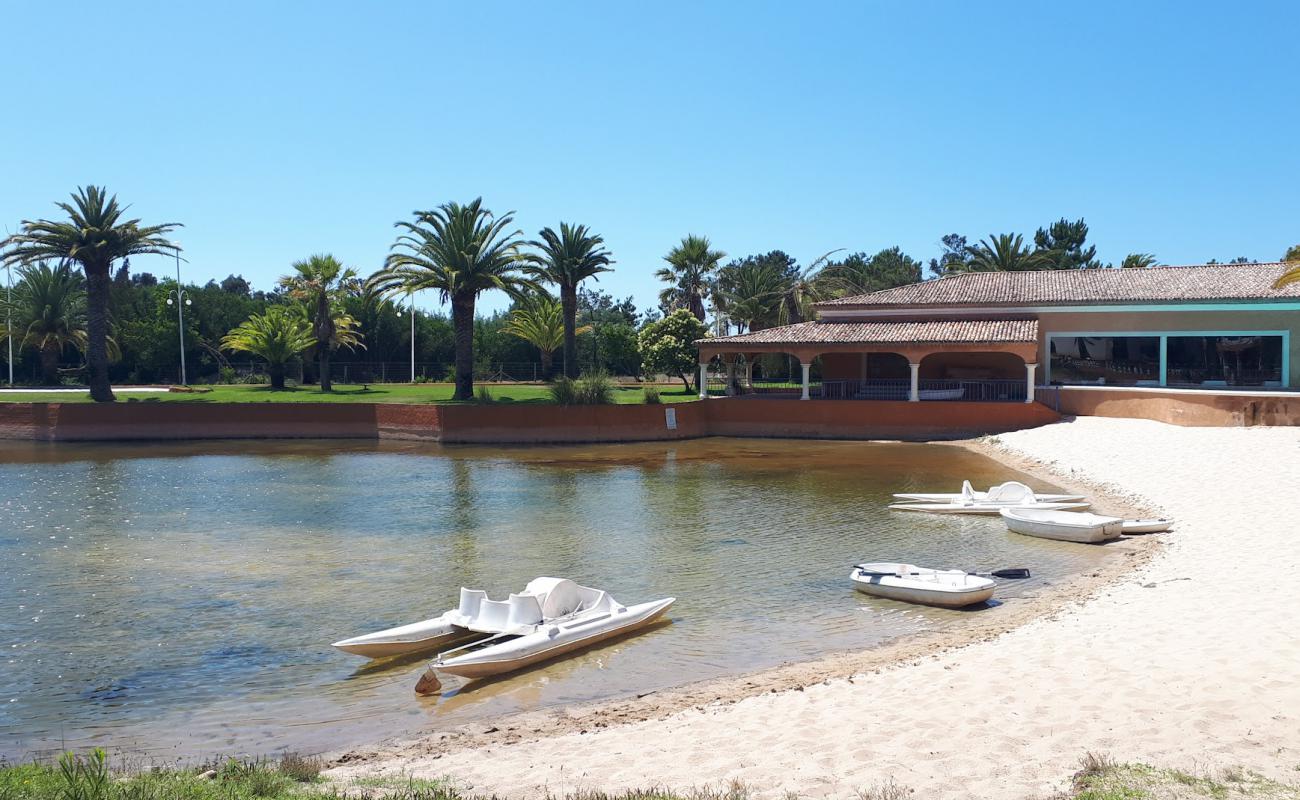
[49, 306]
[804, 287]
[539, 320]
[322, 283]
[566, 260]
[277, 336]
[94, 236]
[691, 265]
[1005, 253]
[461, 251]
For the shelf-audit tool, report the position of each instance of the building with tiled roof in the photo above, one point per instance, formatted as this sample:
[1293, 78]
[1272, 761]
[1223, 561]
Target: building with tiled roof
[994, 335]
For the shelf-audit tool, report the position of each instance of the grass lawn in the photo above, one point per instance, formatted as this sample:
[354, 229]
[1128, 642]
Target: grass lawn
[504, 393]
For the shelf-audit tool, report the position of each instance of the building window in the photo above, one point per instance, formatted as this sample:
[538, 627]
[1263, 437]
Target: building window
[1224, 360]
[1106, 360]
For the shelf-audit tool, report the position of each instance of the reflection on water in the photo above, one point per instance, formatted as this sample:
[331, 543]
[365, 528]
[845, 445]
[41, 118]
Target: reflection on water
[179, 599]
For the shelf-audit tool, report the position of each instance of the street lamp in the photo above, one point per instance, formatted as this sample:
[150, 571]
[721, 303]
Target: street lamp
[410, 298]
[181, 300]
[9, 316]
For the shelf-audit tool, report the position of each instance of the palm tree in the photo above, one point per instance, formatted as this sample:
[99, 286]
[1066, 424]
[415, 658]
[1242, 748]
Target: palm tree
[1004, 253]
[462, 251]
[94, 236]
[277, 336]
[804, 288]
[539, 320]
[690, 267]
[566, 260]
[49, 305]
[750, 293]
[1292, 275]
[1138, 261]
[322, 283]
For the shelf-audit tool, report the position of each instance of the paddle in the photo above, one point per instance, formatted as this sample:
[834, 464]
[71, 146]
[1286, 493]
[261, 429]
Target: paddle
[1009, 574]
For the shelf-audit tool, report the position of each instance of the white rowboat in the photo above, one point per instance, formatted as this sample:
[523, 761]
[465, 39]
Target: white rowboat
[947, 588]
[572, 617]
[1147, 525]
[982, 508]
[1064, 526]
[1006, 493]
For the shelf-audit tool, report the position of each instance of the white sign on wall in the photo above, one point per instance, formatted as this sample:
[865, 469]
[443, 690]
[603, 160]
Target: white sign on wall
[670, 418]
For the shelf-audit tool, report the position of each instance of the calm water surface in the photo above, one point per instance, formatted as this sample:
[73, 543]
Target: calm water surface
[178, 599]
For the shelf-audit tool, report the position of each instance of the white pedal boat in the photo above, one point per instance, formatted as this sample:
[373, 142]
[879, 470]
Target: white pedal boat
[1064, 526]
[475, 618]
[984, 508]
[1009, 493]
[947, 588]
[552, 617]
[1147, 525]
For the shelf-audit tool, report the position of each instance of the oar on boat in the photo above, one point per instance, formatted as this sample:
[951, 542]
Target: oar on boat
[1008, 574]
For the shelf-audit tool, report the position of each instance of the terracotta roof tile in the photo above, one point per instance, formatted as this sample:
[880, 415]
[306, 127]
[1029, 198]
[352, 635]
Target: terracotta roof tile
[924, 331]
[1093, 286]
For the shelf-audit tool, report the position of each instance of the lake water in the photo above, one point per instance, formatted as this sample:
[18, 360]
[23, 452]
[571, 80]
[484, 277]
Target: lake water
[179, 599]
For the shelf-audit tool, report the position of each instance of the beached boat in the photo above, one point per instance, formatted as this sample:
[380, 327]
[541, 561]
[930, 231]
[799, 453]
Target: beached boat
[475, 618]
[1008, 493]
[948, 588]
[1065, 526]
[553, 617]
[1147, 525]
[991, 509]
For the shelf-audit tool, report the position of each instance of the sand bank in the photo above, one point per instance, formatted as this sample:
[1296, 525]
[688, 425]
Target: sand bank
[1194, 657]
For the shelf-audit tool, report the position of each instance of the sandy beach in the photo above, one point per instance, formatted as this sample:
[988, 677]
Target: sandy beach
[1190, 660]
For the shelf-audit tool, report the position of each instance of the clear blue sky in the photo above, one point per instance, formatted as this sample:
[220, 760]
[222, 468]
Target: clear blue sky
[277, 129]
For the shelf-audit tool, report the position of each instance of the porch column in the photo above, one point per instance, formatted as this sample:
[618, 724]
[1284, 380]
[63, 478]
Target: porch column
[731, 377]
[704, 380]
[806, 368]
[1029, 382]
[749, 373]
[914, 393]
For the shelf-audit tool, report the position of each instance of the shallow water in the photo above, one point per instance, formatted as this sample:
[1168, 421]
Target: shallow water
[178, 599]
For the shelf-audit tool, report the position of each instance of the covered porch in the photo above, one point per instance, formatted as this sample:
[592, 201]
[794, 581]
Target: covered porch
[982, 360]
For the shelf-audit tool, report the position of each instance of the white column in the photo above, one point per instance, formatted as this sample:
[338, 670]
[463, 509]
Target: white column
[1029, 382]
[914, 393]
[806, 367]
[749, 372]
[704, 381]
[731, 377]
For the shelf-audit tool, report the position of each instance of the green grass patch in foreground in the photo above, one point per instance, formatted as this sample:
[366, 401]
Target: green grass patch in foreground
[501, 393]
[1102, 779]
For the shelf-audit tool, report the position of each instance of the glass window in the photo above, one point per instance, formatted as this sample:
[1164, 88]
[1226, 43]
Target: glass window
[1225, 360]
[1106, 360]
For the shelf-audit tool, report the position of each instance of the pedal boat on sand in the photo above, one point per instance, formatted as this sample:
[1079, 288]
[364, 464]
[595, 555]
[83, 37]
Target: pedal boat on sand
[946, 588]
[552, 617]
[475, 618]
[1064, 526]
[1010, 493]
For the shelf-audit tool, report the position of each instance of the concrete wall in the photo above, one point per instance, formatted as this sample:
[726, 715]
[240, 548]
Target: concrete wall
[1172, 322]
[1177, 406]
[761, 417]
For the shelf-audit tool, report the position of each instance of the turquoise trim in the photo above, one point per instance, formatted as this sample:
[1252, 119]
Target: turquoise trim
[1271, 306]
[1164, 347]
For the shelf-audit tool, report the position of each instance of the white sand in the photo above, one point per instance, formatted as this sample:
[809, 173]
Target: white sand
[1191, 661]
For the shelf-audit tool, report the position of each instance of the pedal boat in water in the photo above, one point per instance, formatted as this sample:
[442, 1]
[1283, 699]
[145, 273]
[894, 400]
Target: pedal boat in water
[466, 621]
[553, 616]
[990, 509]
[1011, 492]
[1063, 526]
[946, 588]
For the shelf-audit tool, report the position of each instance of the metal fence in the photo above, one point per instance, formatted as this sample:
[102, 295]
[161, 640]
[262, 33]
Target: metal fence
[981, 391]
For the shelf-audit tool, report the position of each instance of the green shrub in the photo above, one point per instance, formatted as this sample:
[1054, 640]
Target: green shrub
[652, 395]
[485, 396]
[595, 389]
[227, 375]
[564, 391]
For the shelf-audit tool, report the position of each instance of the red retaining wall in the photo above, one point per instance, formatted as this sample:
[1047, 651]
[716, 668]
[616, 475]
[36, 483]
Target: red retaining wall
[820, 419]
[1181, 406]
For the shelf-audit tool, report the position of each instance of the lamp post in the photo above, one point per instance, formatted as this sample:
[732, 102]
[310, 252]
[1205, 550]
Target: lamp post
[9, 316]
[182, 299]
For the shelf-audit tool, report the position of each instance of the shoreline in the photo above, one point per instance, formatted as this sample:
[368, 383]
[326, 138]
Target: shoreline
[521, 727]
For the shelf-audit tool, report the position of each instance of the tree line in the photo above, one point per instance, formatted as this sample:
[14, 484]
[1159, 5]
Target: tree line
[76, 292]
